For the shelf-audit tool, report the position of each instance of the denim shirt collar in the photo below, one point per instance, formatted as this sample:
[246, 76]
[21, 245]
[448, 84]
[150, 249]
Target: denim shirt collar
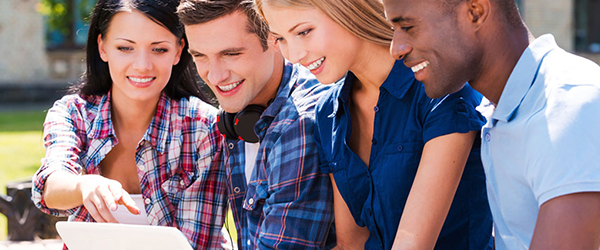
[399, 74]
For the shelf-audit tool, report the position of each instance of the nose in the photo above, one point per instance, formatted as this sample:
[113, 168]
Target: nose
[294, 53]
[217, 72]
[142, 62]
[399, 47]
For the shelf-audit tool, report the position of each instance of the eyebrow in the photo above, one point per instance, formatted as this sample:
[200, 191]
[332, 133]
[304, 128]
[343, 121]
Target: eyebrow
[131, 41]
[225, 51]
[296, 26]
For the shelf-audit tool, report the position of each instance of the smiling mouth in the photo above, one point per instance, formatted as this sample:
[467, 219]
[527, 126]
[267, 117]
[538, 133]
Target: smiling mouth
[419, 66]
[315, 64]
[229, 87]
[141, 80]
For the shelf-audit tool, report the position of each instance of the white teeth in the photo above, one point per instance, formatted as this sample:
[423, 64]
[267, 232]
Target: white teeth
[229, 86]
[141, 80]
[419, 66]
[316, 64]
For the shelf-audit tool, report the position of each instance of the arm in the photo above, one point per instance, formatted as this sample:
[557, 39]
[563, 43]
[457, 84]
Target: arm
[59, 186]
[348, 234]
[432, 192]
[298, 201]
[568, 222]
[99, 195]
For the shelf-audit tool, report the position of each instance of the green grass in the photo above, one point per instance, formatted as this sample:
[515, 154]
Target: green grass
[20, 149]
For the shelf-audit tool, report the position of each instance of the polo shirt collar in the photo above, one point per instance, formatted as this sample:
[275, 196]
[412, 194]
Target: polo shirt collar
[522, 77]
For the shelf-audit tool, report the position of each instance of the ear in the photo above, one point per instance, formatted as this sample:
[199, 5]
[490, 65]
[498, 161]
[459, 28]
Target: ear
[479, 11]
[179, 51]
[101, 49]
[272, 42]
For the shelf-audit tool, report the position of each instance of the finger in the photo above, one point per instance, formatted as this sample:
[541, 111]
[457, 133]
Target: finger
[105, 203]
[106, 194]
[91, 208]
[116, 189]
[128, 202]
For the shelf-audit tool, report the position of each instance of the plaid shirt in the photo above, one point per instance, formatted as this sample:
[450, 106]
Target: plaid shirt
[288, 202]
[182, 184]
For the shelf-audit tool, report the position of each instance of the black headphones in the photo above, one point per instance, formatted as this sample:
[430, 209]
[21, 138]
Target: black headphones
[240, 125]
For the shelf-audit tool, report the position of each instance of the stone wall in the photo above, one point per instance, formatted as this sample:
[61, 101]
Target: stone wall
[22, 54]
[556, 17]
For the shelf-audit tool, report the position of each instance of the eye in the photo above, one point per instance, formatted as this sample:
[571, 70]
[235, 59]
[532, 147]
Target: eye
[160, 50]
[279, 39]
[233, 53]
[124, 48]
[406, 28]
[304, 33]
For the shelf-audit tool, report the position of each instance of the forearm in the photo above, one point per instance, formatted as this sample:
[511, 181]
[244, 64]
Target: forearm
[349, 235]
[433, 190]
[61, 191]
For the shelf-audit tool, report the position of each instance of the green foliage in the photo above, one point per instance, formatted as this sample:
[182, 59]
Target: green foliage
[60, 13]
[21, 149]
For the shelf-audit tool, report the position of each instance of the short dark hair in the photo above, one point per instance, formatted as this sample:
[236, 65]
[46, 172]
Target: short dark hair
[508, 8]
[193, 12]
[96, 79]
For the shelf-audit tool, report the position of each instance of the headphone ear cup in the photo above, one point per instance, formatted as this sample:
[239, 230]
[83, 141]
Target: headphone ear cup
[225, 124]
[245, 120]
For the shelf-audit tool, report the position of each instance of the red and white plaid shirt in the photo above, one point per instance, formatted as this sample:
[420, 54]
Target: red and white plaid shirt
[177, 159]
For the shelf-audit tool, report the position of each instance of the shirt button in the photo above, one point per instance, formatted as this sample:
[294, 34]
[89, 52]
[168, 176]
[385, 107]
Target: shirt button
[181, 182]
[376, 109]
[231, 145]
[250, 201]
[369, 212]
[141, 167]
[400, 148]
[374, 142]
[249, 242]
[236, 190]
[148, 201]
[488, 137]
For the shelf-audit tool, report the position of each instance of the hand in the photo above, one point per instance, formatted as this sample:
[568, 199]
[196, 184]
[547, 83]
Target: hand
[101, 195]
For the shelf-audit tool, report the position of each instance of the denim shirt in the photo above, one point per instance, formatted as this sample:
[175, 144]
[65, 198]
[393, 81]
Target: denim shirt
[288, 202]
[405, 119]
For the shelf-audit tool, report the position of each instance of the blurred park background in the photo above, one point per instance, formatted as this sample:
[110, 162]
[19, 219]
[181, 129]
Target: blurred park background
[41, 54]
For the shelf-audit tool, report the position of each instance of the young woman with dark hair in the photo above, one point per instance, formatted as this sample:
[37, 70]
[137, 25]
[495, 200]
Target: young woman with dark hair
[135, 142]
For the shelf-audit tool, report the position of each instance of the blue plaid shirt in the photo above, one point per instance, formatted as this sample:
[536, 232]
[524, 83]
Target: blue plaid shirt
[288, 202]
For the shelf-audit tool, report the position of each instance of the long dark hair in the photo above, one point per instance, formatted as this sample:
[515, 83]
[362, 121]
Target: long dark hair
[97, 81]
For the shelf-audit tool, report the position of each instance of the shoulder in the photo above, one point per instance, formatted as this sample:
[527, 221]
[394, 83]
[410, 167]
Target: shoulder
[75, 105]
[571, 86]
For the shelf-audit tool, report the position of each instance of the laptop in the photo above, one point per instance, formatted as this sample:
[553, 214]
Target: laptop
[103, 236]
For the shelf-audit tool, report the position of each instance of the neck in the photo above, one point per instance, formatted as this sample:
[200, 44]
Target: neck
[372, 65]
[269, 91]
[131, 115]
[499, 59]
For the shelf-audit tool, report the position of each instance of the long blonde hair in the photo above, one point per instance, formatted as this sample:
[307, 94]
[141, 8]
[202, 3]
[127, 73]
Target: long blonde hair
[363, 18]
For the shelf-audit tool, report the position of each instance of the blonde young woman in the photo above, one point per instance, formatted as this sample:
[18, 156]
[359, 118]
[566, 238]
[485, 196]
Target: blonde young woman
[405, 169]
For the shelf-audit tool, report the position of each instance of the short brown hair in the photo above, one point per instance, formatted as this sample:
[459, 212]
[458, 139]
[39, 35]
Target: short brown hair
[193, 12]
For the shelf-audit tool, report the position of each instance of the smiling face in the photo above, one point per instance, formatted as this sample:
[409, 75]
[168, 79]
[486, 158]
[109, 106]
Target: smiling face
[309, 37]
[436, 43]
[140, 55]
[232, 61]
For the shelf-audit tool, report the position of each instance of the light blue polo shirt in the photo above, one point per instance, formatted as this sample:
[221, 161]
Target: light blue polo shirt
[542, 140]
